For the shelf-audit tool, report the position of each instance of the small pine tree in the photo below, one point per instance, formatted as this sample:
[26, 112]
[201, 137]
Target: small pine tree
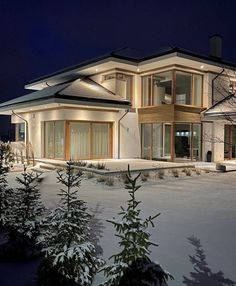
[69, 256]
[27, 210]
[23, 219]
[5, 192]
[134, 238]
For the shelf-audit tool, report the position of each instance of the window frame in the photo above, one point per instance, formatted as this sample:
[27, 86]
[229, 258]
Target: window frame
[173, 92]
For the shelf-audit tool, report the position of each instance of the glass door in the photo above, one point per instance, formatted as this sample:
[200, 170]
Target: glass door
[54, 139]
[79, 140]
[147, 141]
[167, 140]
[230, 142]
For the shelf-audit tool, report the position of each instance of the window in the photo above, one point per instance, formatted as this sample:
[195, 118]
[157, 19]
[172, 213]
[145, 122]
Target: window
[157, 89]
[188, 141]
[20, 132]
[188, 89]
[90, 140]
[54, 139]
[156, 141]
[163, 88]
[123, 85]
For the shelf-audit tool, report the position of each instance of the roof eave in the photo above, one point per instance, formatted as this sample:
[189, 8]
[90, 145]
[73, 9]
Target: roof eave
[7, 109]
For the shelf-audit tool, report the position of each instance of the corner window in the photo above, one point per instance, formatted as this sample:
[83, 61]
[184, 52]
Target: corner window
[172, 87]
[157, 89]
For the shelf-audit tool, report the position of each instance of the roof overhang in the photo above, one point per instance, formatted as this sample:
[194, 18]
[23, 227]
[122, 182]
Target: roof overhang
[171, 57]
[82, 92]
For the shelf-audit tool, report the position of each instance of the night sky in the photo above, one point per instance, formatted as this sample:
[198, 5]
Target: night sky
[40, 37]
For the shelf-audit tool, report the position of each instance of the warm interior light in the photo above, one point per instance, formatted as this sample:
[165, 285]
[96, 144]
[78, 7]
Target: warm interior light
[96, 70]
[202, 66]
[138, 69]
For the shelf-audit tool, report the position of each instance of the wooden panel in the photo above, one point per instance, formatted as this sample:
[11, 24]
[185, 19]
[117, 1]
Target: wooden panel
[186, 117]
[189, 108]
[163, 113]
[170, 113]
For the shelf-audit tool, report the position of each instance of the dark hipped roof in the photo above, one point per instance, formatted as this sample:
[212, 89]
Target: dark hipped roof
[81, 92]
[135, 56]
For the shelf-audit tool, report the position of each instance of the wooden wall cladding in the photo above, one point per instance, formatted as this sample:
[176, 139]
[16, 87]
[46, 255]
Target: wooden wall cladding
[170, 113]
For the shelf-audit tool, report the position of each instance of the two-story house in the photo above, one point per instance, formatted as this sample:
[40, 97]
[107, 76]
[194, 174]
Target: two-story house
[166, 106]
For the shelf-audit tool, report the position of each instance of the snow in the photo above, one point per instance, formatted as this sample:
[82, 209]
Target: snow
[203, 206]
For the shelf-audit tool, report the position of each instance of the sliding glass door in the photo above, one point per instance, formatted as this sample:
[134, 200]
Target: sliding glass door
[54, 132]
[79, 140]
[230, 142]
[90, 140]
[157, 141]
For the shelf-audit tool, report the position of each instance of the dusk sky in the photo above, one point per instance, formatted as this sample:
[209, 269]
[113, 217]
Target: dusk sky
[40, 37]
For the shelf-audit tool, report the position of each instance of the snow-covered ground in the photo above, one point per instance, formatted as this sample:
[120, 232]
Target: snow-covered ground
[200, 205]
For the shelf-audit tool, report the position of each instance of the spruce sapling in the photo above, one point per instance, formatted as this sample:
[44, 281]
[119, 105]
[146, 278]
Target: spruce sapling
[134, 238]
[24, 219]
[69, 255]
[5, 192]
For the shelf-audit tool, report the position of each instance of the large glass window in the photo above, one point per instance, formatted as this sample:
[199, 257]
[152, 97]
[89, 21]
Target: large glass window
[182, 141]
[156, 141]
[183, 89]
[230, 142]
[188, 141]
[90, 140]
[54, 139]
[157, 88]
[146, 141]
[100, 140]
[162, 88]
[146, 90]
[196, 138]
[80, 140]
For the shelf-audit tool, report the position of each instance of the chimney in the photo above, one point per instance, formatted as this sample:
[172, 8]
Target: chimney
[215, 43]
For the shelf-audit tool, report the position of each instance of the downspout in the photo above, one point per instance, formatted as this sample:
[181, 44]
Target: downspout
[127, 110]
[212, 85]
[26, 135]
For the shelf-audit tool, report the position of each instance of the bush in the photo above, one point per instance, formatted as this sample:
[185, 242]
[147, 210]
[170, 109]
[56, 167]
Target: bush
[80, 163]
[144, 176]
[90, 175]
[101, 179]
[91, 165]
[175, 173]
[161, 173]
[110, 181]
[124, 178]
[187, 171]
[100, 166]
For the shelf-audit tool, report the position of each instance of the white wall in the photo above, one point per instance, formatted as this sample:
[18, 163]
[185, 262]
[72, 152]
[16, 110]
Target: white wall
[207, 136]
[218, 137]
[129, 128]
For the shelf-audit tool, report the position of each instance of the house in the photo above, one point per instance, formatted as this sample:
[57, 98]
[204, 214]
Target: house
[167, 106]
